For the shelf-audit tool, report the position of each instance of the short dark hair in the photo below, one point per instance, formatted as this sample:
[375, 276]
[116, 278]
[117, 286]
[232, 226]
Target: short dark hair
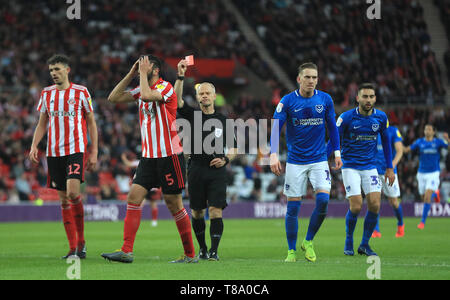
[155, 60]
[58, 59]
[366, 86]
[432, 126]
[308, 65]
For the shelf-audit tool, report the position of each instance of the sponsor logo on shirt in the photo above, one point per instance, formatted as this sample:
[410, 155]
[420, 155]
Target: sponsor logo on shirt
[150, 112]
[62, 113]
[307, 122]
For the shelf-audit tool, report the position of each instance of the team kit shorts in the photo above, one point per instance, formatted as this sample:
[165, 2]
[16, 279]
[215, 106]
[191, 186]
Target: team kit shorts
[354, 180]
[390, 191]
[62, 168]
[207, 186]
[169, 173]
[428, 181]
[296, 179]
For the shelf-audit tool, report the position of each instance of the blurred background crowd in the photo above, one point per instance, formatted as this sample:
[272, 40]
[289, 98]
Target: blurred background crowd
[395, 54]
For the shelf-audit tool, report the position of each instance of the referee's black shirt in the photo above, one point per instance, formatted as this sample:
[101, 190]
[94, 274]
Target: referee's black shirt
[220, 133]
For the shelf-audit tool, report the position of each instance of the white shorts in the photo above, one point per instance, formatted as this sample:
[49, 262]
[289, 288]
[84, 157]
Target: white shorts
[390, 191]
[355, 179]
[428, 181]
[296, 180]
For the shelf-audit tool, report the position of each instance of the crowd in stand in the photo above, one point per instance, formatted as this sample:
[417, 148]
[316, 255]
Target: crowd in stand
[394, 52]
[444, 8]
[112, 34]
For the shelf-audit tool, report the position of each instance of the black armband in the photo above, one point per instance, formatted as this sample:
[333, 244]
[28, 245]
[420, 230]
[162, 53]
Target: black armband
[180, 78]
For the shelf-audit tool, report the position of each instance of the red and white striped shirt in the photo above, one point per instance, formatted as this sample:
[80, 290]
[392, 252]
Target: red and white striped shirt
[158, 122]
[67, 110]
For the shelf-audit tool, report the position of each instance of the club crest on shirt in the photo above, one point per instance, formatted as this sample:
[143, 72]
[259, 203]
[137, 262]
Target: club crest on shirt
[71, 101]
[375, 127]
[319, 108]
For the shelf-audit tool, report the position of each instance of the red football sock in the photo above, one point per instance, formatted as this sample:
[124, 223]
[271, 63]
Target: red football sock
[69, 226]
[184, 228]
[132, 222]
[78, 216]
[155, 214]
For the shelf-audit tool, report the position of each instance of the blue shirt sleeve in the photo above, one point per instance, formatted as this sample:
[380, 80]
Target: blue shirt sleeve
[340, 130]
[397, 136]
[414, 145]
[279, 118]
[442, 143]
[332, 128]
[387, 150]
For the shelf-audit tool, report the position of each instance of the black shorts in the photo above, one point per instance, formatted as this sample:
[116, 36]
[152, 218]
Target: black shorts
[169, 173]
[207, 186]
[62, 168]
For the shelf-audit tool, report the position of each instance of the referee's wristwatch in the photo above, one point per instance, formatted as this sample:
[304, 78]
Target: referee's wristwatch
[227, 160]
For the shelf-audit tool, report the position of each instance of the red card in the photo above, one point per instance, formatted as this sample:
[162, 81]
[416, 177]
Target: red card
[190, 60]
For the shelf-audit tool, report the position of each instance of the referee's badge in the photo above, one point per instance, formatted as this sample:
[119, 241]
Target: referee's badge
[218, 132]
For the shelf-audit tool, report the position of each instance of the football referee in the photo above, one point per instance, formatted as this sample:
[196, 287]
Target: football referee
[207, 177]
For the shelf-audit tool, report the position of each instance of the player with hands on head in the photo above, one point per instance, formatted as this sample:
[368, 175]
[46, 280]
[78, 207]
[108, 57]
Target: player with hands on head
[162, 161]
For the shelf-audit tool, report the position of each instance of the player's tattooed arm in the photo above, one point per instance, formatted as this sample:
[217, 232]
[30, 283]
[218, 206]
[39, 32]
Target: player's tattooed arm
[118, 94]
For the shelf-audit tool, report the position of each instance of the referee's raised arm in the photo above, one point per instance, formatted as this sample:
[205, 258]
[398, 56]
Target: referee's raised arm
[182, 67]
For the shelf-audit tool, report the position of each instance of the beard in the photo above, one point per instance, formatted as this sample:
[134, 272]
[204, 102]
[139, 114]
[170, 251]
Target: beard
[367, 108]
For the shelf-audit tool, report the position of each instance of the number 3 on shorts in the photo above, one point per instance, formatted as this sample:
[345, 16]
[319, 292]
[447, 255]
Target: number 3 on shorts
[374, 180]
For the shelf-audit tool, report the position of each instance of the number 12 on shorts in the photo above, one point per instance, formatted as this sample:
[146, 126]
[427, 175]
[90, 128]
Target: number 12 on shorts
[74, 169]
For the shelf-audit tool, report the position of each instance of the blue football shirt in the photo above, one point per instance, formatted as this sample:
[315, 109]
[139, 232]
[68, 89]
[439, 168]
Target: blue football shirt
[305, 120]
[359, 135]
[429, 154]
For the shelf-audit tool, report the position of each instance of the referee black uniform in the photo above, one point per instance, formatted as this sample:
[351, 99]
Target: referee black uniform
[207, 184]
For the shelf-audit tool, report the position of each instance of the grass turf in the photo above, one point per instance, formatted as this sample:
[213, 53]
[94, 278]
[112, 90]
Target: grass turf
[250, 250]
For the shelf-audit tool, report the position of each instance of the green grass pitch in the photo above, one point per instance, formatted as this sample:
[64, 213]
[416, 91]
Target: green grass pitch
[250, 250]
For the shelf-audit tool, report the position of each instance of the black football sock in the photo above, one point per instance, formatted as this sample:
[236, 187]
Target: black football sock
[199, 230]
[216, 231]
